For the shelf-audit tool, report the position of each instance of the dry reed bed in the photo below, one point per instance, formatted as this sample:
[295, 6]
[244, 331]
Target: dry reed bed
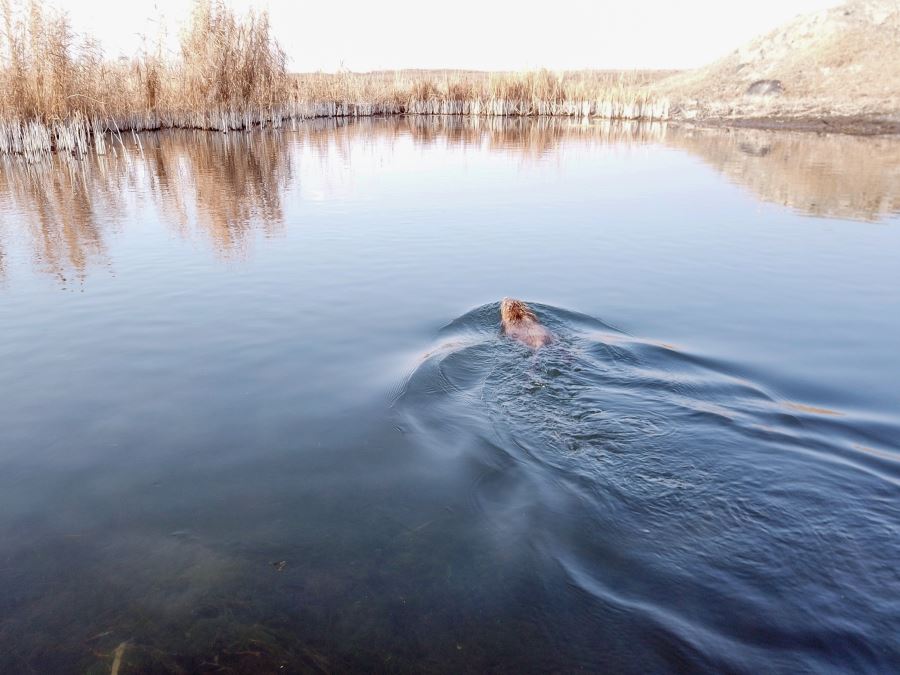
[78, 133]
[57, 92]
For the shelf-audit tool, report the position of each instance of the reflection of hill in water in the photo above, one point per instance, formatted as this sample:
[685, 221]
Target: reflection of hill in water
[225, 189]
[837, 176]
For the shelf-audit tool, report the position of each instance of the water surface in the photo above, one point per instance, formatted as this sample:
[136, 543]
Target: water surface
[257, 412]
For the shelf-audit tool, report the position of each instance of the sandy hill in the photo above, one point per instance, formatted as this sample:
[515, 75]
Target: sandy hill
[846, 59]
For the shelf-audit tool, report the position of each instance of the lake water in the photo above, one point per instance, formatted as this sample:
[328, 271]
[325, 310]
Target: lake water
[257, 413]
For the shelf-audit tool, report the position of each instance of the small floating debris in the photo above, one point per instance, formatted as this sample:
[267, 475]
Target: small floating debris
[813, 410]
[99, 635]
[279, 565]
[882, 454]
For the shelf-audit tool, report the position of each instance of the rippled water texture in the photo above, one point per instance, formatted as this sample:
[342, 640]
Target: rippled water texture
[259, 415]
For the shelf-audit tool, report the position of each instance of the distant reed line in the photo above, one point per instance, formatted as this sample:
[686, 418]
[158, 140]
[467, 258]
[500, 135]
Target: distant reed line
[58, 93]
[79, 134]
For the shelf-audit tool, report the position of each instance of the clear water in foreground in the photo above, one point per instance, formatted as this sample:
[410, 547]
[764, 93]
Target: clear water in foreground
[256, 412]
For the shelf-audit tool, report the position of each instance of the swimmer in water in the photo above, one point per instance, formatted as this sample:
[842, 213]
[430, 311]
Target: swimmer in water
[521, 324]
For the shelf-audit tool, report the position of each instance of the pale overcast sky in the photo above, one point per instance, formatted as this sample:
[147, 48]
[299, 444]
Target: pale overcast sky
[471, 34]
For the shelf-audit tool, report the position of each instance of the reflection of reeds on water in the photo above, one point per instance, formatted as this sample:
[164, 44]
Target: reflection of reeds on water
[534, 137]
[221, 186]
[521, 136]
[66, 209]
[836, 176]
[227, 189]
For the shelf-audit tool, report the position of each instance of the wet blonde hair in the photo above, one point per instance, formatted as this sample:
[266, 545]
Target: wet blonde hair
[514, 311]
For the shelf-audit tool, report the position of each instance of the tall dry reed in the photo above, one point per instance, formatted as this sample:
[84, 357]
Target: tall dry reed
[230, 62]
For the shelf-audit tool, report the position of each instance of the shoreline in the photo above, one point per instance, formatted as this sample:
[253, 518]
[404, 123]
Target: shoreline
[80, 135]
[851, 125]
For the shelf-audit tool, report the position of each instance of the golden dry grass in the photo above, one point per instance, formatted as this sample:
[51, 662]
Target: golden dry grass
[57, 92]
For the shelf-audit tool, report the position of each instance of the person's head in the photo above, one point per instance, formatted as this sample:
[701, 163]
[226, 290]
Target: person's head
[512, 311]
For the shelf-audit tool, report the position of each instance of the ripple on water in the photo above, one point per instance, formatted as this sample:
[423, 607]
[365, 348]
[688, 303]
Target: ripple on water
[671, 487]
